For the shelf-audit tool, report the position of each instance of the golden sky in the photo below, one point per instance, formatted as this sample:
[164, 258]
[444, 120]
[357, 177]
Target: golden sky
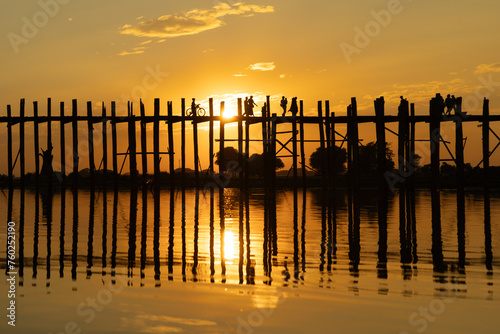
[317, 50]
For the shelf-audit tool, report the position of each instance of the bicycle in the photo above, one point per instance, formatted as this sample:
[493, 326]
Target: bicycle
[199, 111]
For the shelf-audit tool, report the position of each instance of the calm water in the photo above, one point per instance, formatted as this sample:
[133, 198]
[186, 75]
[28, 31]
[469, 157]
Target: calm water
[199, 262]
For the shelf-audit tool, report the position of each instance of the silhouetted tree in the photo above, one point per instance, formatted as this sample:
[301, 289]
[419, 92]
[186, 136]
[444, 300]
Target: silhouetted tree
[339, 156]
[256, 164]
[368, 158]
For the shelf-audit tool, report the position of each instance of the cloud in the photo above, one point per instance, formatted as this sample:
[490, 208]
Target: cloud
[239, 75]
[262, 66]
[192, 22]
[484, 68]
[135, 51]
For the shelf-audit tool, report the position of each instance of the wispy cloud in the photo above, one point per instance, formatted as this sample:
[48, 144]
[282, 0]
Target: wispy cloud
[135, 51]
[262, 66]
[486, 68]
[192, 22]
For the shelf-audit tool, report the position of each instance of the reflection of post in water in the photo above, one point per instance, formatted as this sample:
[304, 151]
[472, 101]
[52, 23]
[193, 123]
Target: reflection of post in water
[212, 231]
[10, 201]
[62, 232]
[268, 236]
[437, 244]
[250, 265]
[74, 253]
[114, 233]
[222, 232]
[90, 242]
[241, 231]
[132, 231]
[156, 237]
[144, 231]
[382, 232]
[183, 231]
[171, 238]
[21, 235]
[196, 232]
[296, 266]
[487, 232]
[303, 239]
[461, 229]
[47, 214]
[323, 234]
[36, 233]
[332, 230]
[104, 229]
[354, 186]
[354, 222]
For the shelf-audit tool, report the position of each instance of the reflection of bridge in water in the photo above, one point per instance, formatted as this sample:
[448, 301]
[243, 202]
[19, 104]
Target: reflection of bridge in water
[222, 241]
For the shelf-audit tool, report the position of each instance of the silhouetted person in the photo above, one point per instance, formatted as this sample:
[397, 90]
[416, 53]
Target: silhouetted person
[251, 104]
[264, 109]
[193, 106]
[294, 109]
[46, 161]
[450, 104]
[401, 103]
[245, 107]
[283, 104]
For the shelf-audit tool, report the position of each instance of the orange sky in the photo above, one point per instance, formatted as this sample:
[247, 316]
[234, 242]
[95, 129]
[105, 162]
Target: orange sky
[316, 50]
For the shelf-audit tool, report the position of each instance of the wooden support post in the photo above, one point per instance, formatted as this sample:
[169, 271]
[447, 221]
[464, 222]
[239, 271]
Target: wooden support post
[222, 165]
[411, 157]
[265, 147]
[156, 145]
[328, 156]
[75, 142]
[144, 147]
[302, 149]
[352, 129]
[294, 149]
[246, 163]
[381, 143]
[211, 137]
[22, 156]
[49, 141]
[486, 144]
[322, 145]
[240, 141]
[170, 128]
[114, 143]
[183, 141]
[9, 147]
[36, 144]
[90, 127]
[104, 147]
[459, 146]
[334, 154]
[272, 154]
[402, 139]
[132, 145]
[62, 144]
[195, 150]
[436, 112]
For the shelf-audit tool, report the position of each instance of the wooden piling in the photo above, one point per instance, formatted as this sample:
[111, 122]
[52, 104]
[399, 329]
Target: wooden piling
[211, 137]
[144, 147]
[195, 149]
[354, 144]
[322, 145]
[240, 142]
[104, 147]
[327, 143]
[114, 143]
[302, 150]
[436, 112]
[183, 141]
[9, 147]
[132, 146]
[156, 145]
[272, 153]
[333, 154]
[265, 148]
[294, 149]
[36, 144]
[381, 143]
[62, 143]
[246, 163]
[171, 156]
[222, 165]
[486, 144]
[49, 141]
[74, 125]
[459, 146]
[90, 128]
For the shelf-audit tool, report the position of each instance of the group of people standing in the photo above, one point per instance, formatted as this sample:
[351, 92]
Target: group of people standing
[294, 109]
